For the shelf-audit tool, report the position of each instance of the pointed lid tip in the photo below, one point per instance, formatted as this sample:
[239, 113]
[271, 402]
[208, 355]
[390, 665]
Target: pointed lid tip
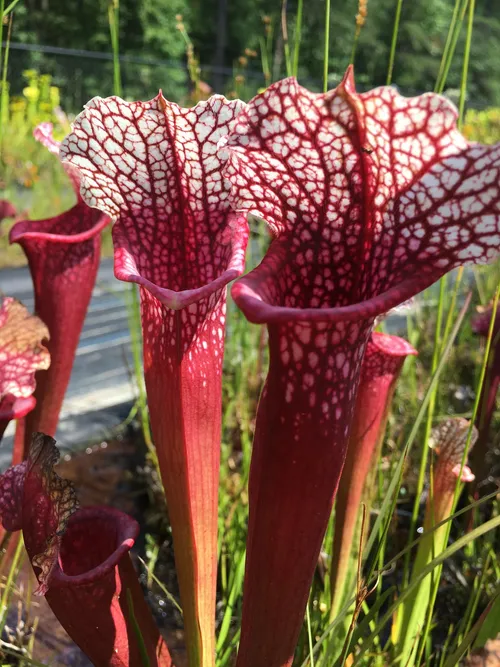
[348, 82]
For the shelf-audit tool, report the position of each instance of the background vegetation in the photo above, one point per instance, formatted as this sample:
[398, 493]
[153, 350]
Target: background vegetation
[153, 50]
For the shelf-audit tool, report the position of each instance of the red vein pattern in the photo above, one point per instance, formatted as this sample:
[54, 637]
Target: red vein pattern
[449, 439]
[154, 167]
[21, 355]
[382, 365]
[370, 199]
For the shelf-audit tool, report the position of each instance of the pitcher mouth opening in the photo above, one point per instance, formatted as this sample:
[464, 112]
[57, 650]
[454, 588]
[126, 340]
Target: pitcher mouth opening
[259, 311]
[95, 540]
[35, 229]
[126, 269]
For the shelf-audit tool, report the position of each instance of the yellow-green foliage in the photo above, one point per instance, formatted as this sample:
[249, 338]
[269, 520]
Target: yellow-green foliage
[39, 102]
[22, 156]
[483, 126]
[31, 177]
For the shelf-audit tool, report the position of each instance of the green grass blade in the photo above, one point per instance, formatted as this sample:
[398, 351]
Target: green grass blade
[465, 64]
[428, 425]
[114, 32]
[165, 592]
[394, 41]
[454, 658]
[451, 51]
[298, 34]
[326, 54]
[328, 631]
[490, 626]
[25, 659]
[370, 582]
[362, 627]
[234, 595]
[137, 631]
[5, 12]
[3, 92]
[479, 389]
[10, 582]
[447, 45]
[309, 636]
[459, 544]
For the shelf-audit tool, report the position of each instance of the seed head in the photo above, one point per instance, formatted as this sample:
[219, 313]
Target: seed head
[362, 12]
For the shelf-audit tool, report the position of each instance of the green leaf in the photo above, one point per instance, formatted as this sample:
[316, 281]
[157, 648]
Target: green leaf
[490, 626]
[444, 555]
[473, 632]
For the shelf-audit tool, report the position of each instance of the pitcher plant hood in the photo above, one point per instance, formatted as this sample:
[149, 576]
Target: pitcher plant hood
[155, 169]
[81, 560]
[21, 355]
[370, 198]
[63, 254]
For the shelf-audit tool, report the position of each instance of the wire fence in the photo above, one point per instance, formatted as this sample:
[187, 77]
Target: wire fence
[81, 75]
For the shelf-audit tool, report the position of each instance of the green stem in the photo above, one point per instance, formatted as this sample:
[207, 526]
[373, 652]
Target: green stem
[298, 34]
[447, 45]
[7, 591]
[465, 65]
[394, 41]
[2, 12]
[459, 486]
[137, 631]
[459, 544]
[327, 46]
[114, 31]
[428, 426]
[479, 389]
[286, 44]
[484, 365]
[388, 506]
[265, 61]
[134, 322]
[451, 51]
[3, 91]
[451, 311]
[5, 12]
[354, 45]
[309, 636]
